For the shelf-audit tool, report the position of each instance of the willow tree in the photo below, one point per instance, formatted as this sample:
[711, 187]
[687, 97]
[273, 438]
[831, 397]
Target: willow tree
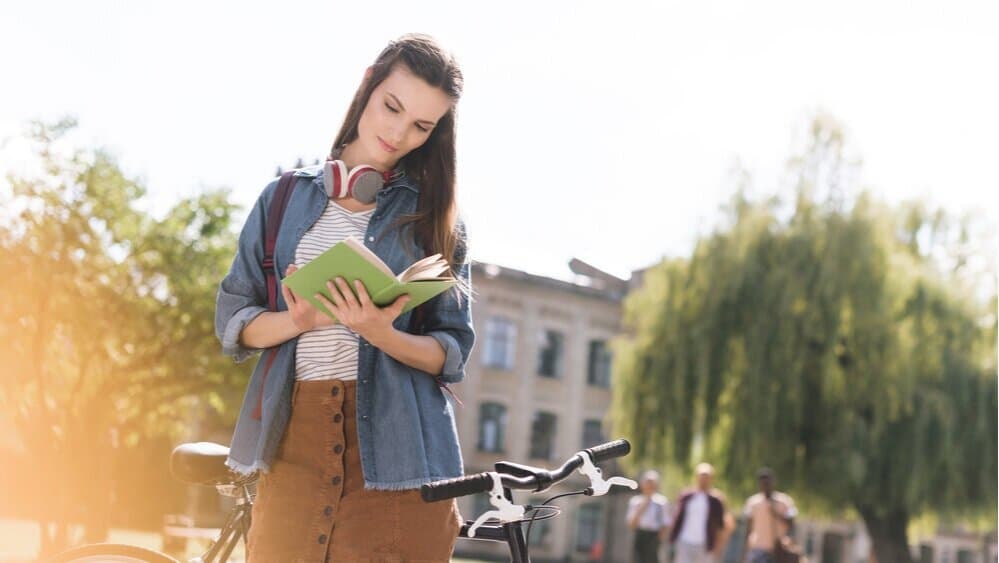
[847, 344]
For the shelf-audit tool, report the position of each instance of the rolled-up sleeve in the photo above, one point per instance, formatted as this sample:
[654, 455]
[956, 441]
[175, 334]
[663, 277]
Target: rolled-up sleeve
[242, 294]
[449, 317]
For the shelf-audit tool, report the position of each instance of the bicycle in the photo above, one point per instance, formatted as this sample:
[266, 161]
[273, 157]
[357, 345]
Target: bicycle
[509, 517]
[204, 463]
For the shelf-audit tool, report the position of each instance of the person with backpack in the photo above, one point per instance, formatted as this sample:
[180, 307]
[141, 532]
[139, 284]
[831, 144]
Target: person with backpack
[344, 420]
[769, 515]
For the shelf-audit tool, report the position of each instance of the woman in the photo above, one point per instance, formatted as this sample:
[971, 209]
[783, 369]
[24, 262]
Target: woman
[351, 417]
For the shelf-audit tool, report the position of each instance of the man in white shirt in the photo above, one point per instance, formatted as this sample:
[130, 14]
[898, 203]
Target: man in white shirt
[649, 516]
[700, 528]
[769, 514]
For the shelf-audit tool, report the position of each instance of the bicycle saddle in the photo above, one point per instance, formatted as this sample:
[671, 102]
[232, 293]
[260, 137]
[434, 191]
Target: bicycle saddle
[201, 463]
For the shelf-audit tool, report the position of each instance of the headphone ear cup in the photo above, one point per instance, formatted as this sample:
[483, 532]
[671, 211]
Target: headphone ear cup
[335, 179]
[364, 182]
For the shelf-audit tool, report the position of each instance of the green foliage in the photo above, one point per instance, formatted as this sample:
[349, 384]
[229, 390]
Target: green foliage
[846, 344]
[107, 316]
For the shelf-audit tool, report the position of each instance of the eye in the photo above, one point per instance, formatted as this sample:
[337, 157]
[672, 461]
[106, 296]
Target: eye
[422, 128]
[390, 108]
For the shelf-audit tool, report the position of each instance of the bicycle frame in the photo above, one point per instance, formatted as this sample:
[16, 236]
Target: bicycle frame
[236, 527]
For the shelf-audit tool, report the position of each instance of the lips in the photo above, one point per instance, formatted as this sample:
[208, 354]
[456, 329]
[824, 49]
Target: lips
[386, 146]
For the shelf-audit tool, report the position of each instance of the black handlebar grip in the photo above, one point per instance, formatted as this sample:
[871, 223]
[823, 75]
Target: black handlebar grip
[457, 487]
[610, 450]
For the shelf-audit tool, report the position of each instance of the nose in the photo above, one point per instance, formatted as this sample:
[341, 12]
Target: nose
[395, 133]
[394, 137]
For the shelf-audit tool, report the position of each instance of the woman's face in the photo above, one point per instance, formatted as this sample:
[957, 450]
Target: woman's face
[401, 113]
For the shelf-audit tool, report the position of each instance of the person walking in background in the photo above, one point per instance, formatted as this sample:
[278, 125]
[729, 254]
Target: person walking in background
[700, 529]
[649, 516]
[769, 514]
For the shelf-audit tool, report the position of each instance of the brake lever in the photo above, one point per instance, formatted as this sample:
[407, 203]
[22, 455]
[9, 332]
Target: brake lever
[597, 483]
[505, 511]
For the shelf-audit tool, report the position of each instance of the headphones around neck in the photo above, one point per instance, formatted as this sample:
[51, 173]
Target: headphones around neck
[362, 183]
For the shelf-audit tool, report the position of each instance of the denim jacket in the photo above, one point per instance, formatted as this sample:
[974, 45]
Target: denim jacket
[405, 423]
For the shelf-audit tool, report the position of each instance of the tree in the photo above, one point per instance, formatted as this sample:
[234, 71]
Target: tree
[848, 345]
[106, 325]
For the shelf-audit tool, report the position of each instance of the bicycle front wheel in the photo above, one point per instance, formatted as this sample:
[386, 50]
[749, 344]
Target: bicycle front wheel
[111, 553]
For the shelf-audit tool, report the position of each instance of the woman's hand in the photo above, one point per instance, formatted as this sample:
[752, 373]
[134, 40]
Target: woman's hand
[359, 313]
[305, 316]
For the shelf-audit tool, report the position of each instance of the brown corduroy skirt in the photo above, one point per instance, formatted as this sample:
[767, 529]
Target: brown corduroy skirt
[312, 506]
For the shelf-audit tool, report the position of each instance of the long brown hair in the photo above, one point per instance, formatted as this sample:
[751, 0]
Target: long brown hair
[432, 164]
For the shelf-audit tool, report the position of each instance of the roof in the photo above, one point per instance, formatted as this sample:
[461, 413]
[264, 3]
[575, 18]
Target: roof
[494, 271]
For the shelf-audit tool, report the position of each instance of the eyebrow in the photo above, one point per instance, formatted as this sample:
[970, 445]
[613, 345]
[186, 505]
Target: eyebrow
[427, 121]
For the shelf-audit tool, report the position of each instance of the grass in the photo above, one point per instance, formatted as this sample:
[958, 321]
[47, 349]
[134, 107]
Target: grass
[20, 540]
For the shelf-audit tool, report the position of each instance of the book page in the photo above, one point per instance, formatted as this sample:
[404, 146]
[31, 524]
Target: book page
[366, 253]
[430, 268]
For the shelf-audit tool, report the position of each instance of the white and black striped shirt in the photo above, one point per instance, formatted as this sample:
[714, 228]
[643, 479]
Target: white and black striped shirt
[329, 353]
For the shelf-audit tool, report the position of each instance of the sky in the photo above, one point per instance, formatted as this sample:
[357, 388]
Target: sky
[606, 132]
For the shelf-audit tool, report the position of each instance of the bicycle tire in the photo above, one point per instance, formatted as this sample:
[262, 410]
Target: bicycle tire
[111, 553]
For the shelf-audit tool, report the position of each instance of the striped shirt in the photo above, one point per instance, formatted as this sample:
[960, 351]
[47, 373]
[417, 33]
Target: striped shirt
[329, 353]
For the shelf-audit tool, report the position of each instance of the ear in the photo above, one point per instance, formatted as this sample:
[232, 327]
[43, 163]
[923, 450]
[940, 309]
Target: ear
[368, 72]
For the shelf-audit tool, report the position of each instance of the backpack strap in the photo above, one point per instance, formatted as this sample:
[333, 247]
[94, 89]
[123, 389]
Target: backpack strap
[272, 225]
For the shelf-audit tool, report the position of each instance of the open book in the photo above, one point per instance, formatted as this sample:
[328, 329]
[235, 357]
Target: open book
[351, 260]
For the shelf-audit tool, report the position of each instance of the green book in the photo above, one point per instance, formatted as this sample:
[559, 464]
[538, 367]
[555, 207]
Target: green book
[351, 260]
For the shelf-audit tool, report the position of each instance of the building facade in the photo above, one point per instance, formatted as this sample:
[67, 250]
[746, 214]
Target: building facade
[537, 390]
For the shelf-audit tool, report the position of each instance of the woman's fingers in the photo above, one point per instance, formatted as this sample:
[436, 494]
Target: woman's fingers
[362, 294]
[289, 296]
[330, 305]
[399, 304]
[348, 295]
[335, 292]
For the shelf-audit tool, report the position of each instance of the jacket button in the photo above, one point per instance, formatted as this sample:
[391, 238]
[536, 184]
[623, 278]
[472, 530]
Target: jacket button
[335, 481]
[371, 239]
[336, 391]
[328, 510]
[337, 418]
[364, 417]
[322, 538]
[337, 449]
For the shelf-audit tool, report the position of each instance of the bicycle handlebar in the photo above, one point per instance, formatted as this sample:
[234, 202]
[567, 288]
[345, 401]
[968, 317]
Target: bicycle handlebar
[610, 450]
[483, 482]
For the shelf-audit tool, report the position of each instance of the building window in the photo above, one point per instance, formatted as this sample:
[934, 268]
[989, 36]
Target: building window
[593, 434]
[492, 422]
[598, 367]
[500, 343]
[587, 527]
[550, 353]
[543, 435]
